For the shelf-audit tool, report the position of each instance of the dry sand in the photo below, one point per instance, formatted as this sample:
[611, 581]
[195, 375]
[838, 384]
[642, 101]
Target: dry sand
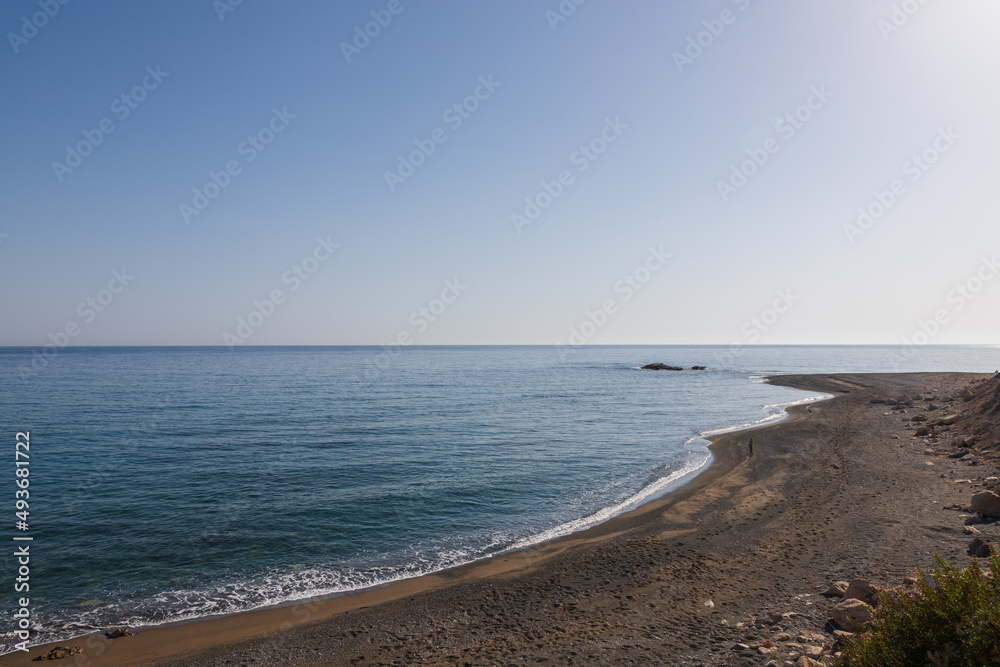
[841, 489]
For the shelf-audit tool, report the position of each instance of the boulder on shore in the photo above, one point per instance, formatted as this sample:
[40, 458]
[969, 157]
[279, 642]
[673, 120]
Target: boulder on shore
[119, 632]
[836, 589]
[861, 589]
[852, 614]
[661, 367]
[58, 653]
[986, 503]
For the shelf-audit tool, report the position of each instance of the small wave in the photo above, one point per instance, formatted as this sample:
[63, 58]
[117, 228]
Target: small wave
[603, 515]
[695, 464]
[778, 412]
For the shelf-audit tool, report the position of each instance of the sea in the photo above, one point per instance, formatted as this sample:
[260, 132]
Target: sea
[175, 483]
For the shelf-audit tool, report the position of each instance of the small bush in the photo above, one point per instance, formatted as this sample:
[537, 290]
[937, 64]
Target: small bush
[953, 619]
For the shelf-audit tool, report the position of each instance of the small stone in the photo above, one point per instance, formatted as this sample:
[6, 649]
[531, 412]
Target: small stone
[710, 605]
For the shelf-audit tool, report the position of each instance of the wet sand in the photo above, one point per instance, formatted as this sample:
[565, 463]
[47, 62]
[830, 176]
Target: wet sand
[840, 489]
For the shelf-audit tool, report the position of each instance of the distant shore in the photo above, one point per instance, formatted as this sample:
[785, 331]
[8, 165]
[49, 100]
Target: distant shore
[839, 489]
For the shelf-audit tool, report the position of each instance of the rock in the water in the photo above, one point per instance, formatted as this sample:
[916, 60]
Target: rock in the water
[852, 614]
[861, 589]
[59, 652]
[661, 367]
[979, 548]
[699, 368]
[986, 503]
[836, 589]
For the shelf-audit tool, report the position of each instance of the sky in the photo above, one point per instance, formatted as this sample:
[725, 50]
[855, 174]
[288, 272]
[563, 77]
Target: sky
[520, 172]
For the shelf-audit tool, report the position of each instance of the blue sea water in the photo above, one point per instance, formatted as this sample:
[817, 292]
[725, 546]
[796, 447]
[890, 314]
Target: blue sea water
[176, 483]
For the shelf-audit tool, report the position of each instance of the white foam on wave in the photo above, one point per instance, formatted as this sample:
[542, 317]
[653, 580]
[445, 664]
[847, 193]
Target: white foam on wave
[777, 412]
[279, 588]
[602, 515]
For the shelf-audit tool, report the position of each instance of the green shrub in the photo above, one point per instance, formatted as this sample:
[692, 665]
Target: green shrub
[952, 619]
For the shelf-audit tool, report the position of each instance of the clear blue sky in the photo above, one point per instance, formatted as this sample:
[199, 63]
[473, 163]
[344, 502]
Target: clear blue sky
[678, 128]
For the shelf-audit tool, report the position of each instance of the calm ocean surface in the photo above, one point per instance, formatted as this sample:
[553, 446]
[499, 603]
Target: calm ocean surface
[175, 483]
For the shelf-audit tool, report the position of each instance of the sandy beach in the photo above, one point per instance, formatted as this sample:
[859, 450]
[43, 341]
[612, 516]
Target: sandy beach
[840, 489]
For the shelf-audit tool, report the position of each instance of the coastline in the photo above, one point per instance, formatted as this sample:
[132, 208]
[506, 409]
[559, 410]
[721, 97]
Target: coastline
[682, 512]
[654, 490]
